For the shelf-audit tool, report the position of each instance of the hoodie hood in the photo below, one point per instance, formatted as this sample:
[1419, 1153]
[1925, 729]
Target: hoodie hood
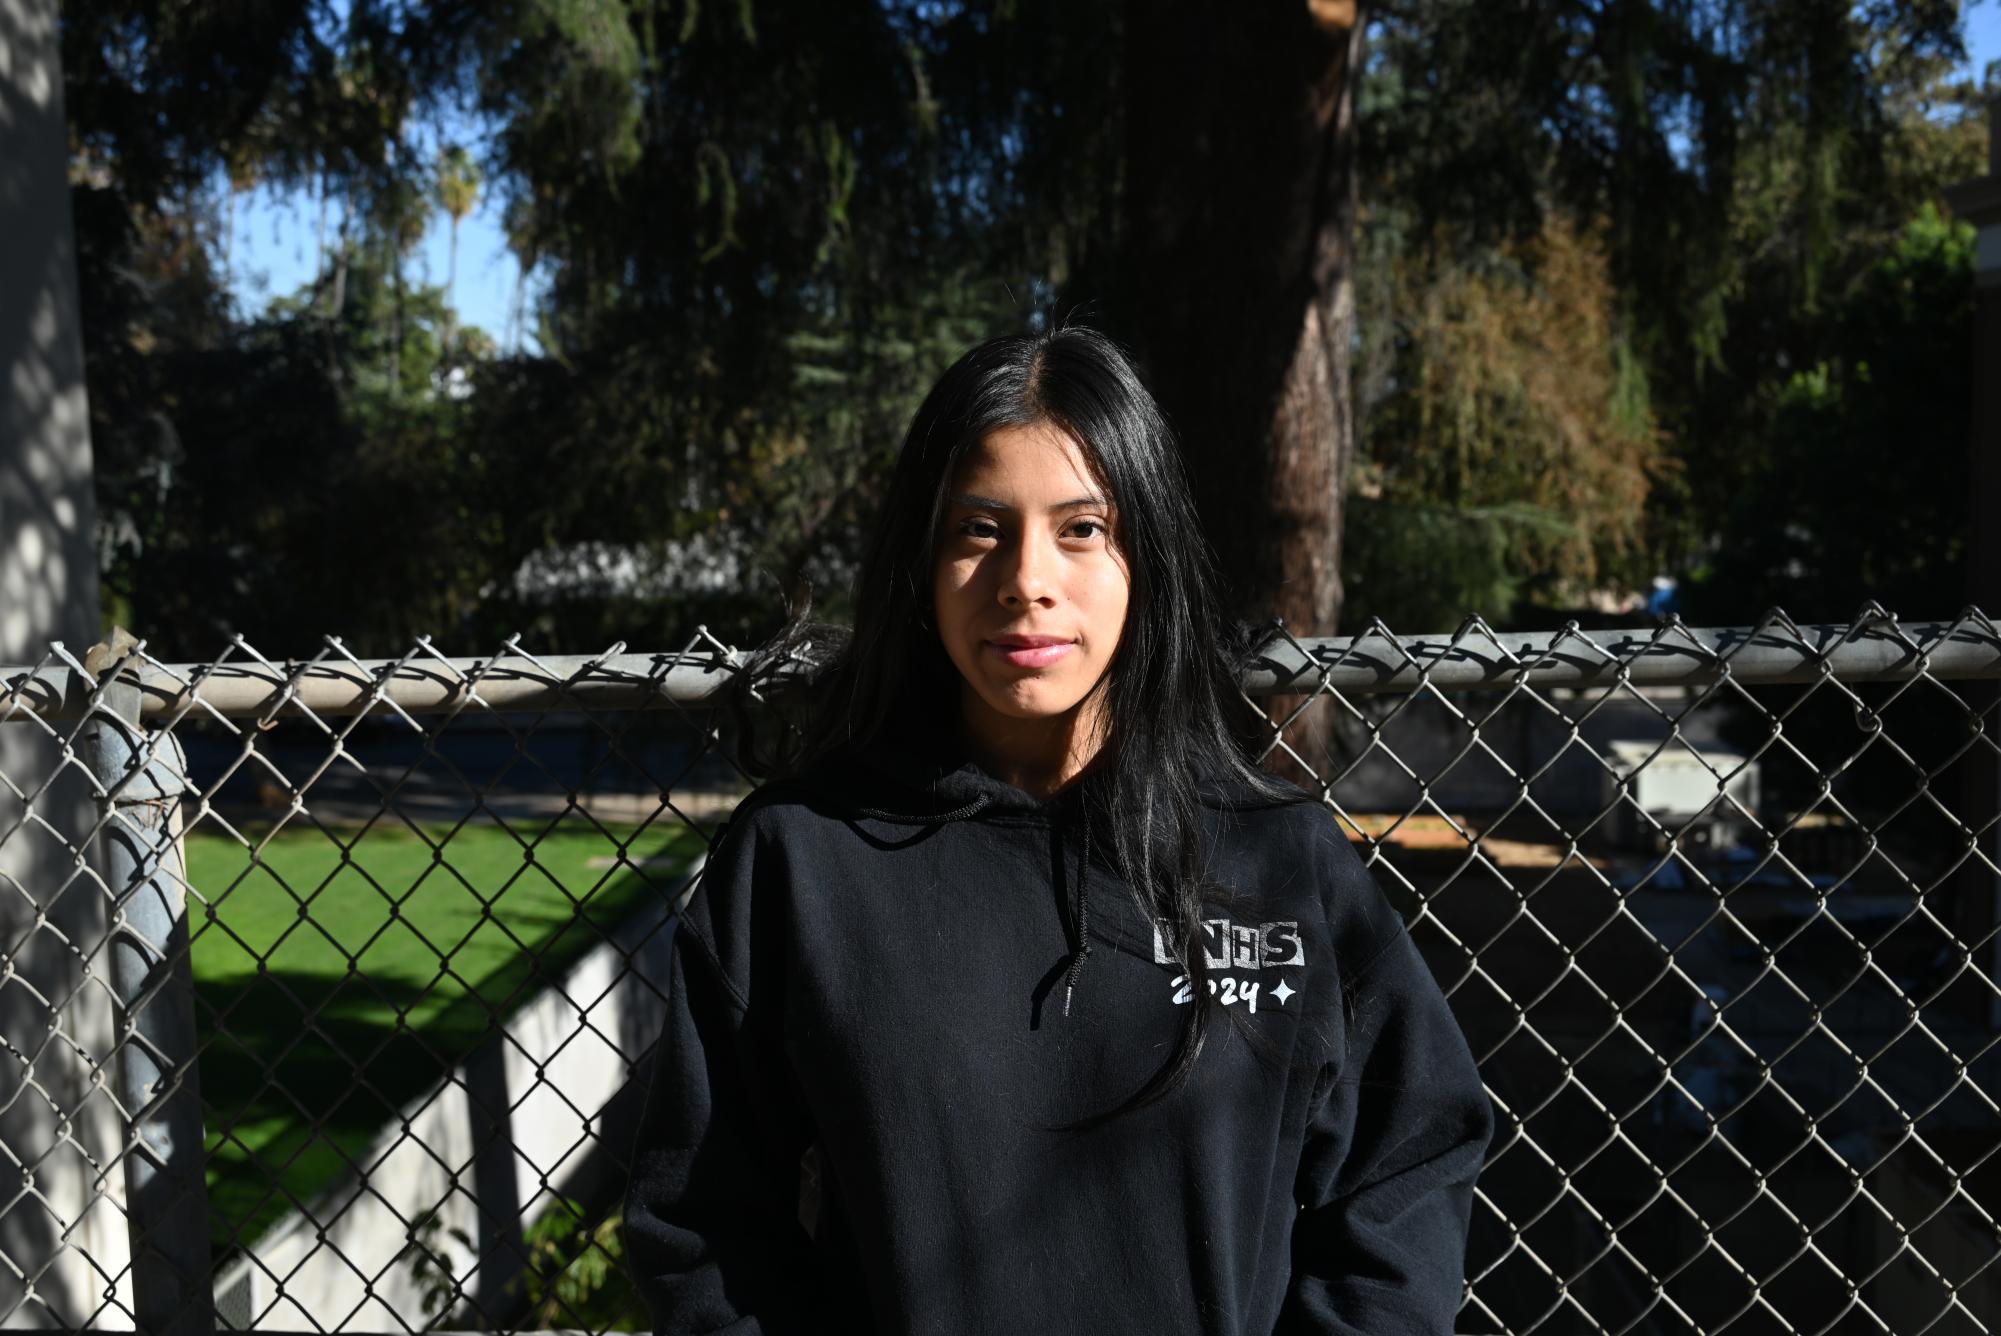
[922, 778]
[931, 781]
[923, 781]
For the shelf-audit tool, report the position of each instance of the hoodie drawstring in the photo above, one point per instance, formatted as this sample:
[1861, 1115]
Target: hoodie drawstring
[1083, 919]
[973, 808]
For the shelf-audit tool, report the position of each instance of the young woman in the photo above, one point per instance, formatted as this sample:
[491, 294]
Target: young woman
[1089, 1025]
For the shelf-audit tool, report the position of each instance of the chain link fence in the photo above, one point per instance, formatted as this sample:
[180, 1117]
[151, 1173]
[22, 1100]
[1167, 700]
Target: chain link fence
[327, 986]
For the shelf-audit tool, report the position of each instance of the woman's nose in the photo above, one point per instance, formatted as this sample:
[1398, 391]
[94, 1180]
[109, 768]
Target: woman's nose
[1025, 577]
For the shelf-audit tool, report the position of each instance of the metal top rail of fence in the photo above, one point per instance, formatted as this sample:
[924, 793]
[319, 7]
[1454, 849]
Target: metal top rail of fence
[334, 683]
[326, 983]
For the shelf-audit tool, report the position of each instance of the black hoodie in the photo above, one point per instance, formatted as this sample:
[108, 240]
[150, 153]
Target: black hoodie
[875, 963]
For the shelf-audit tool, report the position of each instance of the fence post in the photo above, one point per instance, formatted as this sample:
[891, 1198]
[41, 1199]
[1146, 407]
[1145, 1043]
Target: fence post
[1979, 202]
[140, 782]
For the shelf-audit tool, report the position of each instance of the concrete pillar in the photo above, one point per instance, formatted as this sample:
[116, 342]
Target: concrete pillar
[62, 1222]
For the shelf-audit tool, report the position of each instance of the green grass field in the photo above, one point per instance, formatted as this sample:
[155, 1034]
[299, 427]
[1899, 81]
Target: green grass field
[334, 984]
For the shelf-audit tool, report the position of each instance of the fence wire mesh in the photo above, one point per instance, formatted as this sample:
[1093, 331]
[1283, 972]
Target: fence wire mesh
[327, 985]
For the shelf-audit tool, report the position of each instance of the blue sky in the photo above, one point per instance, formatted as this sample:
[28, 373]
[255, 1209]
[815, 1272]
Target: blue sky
[276, 240]
[275, 234]
[1983, 34]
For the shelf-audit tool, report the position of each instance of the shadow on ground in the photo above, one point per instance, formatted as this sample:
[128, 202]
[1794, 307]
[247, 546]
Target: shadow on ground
[300, 1072]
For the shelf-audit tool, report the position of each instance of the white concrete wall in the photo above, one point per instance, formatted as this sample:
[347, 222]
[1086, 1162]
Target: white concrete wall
[564, 1057]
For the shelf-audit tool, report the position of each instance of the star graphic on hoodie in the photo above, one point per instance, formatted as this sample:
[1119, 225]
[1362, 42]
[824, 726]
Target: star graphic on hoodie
[1283, 991]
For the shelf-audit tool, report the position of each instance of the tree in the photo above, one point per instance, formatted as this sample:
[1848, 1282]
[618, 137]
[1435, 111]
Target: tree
[1509, 446]
[1750, 162]
[1896, 378]
[760, 243]
[457, 193]
[759, 230]
[1239, 212]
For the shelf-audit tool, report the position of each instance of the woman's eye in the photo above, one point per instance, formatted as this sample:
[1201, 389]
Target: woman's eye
[985, 529]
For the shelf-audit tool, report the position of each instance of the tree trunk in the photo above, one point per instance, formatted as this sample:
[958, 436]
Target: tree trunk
[1239, 222]
[1239, 217]
[337, 299]
[452, 297]
[320, 240]
[393, 257]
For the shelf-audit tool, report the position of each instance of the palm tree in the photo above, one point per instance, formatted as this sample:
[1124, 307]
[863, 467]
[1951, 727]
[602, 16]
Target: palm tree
[457, 193]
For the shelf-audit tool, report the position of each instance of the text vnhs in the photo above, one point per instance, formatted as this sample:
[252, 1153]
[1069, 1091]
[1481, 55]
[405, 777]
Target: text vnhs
[1230, 946]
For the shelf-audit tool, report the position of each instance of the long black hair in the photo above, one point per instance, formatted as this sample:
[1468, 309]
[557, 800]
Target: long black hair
[1170, 693]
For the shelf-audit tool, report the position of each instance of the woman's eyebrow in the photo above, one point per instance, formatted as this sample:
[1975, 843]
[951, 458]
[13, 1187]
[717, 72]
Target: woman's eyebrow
[972, 502]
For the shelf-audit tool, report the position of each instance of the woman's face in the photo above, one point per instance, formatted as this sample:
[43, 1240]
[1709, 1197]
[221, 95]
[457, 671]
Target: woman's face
[1029, 591]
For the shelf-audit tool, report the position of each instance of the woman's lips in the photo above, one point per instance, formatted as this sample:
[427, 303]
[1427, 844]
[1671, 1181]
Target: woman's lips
[1026, 653]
